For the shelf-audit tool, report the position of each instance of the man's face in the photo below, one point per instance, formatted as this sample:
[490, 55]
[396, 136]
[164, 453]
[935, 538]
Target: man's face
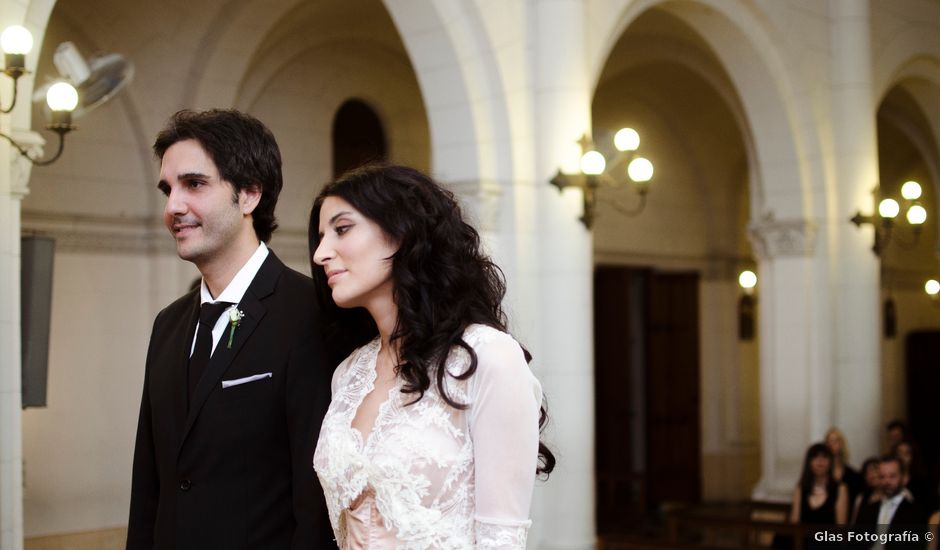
[895, 436]
[891, 480]
[202, 211]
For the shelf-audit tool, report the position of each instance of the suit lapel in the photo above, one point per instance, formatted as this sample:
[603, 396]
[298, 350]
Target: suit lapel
[261, 286]
[178, 375]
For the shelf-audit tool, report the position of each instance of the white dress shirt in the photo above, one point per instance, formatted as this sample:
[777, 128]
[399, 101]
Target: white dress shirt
[233, 293]
[888, 507]
[886, 513]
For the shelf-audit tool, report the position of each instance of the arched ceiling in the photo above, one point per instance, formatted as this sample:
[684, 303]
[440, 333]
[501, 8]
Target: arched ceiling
[664, 81]
[907, 150]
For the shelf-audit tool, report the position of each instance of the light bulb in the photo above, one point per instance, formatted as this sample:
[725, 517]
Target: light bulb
[889, 208]
[593, 163]
[747, 279]
[932, 287]
[910, 190]
[640, 170]
[62, 97]
[626, 139]
[916, 215]
[16, 40]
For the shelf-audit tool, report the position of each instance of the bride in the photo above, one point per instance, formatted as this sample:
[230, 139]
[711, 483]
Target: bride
[432, 436]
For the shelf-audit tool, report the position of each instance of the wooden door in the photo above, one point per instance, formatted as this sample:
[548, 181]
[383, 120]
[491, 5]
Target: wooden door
[672, 366]
[922, 363]
[646, 393]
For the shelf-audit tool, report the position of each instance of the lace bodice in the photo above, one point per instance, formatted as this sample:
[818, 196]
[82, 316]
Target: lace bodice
[439, 477]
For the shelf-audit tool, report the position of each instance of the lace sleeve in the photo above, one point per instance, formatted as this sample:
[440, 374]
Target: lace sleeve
[340, 371]
[503, 417]
[492, 535]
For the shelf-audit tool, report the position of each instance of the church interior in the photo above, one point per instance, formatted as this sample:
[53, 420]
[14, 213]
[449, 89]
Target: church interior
[771, 132]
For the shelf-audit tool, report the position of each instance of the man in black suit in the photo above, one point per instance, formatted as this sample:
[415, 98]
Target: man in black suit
[895, 515]
[225, 439]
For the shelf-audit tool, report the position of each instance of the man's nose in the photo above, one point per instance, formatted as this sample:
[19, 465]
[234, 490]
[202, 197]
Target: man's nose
[175, 203]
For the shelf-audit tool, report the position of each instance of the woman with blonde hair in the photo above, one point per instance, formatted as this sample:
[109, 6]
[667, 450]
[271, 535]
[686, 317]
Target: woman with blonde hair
[841, 471]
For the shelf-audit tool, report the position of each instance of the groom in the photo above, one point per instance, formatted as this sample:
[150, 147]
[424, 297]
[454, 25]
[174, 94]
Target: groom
[236, 383]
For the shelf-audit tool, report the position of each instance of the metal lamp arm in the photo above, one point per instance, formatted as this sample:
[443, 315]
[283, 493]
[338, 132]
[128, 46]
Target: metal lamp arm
[13, 102]
[35, 162]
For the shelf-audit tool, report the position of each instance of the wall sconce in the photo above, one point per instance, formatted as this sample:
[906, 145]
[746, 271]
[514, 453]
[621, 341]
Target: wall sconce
[595, 170]
[747, 304]
[62, 97]
[888, 210]
[932, 288]
[16, 42]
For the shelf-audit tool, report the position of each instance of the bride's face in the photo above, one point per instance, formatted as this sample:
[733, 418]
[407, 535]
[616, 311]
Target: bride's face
[355, 254]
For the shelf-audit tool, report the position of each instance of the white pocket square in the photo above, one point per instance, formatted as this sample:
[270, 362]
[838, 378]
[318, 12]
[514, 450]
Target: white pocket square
[245, 380]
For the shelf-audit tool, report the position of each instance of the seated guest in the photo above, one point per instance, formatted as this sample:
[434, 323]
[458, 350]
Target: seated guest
[871, 492]
[841, 471]
[818, 498]
[895, 512]
[896, 432]
[917, 478]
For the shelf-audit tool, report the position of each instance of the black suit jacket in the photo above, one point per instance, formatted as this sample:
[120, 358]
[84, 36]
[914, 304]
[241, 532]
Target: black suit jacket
[908, 517]
[235, 471]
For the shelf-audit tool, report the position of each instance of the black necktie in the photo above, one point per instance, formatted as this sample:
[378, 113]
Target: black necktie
[208, 315]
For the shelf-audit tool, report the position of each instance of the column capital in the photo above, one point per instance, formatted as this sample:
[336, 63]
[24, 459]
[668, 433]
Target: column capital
[481, 199]
[20, 166]
[772, 238]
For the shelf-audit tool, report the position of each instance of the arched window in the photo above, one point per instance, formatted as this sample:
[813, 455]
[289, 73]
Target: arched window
[358, 137]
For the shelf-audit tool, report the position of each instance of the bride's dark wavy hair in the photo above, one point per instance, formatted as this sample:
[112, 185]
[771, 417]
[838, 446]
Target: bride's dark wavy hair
[443, 282]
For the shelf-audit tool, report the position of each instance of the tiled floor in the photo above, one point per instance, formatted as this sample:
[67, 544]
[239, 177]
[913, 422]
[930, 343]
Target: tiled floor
[106, 539]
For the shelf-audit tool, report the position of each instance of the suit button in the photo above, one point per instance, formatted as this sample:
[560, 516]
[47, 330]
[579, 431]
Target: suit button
[185, 484]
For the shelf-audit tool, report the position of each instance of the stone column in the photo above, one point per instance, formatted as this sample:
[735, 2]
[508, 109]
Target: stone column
[480, 202]
[563, 276]
[14, 177]
[793, 376]
[855, 283]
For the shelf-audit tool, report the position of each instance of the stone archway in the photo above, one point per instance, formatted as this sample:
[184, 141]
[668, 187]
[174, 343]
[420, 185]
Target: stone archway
[663, 79]
[785, 173]
[907, 150]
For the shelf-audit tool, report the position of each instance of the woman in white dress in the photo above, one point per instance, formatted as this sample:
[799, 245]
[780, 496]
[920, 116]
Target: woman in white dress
[432, 436]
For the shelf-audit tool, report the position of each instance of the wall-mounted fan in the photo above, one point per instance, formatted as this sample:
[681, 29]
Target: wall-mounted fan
[96, 79]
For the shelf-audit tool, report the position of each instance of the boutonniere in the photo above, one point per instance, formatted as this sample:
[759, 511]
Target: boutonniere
[234, 319]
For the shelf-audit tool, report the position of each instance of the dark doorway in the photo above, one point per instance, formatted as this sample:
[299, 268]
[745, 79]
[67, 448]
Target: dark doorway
[923, 381]
[358, 137]
[646, 393]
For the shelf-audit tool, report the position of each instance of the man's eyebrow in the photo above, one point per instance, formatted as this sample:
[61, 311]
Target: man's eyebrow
[193, 176]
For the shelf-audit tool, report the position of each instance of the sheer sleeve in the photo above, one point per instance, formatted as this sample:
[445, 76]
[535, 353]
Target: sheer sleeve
[503, 418]
[339, 371]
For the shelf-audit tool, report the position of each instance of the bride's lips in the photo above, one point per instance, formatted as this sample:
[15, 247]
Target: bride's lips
[332, 275]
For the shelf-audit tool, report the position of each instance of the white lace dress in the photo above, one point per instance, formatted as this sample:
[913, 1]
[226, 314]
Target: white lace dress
[430, 475]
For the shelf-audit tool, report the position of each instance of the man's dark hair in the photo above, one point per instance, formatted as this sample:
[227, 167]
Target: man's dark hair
[897, 424]
[902, 467]
[242, 148]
